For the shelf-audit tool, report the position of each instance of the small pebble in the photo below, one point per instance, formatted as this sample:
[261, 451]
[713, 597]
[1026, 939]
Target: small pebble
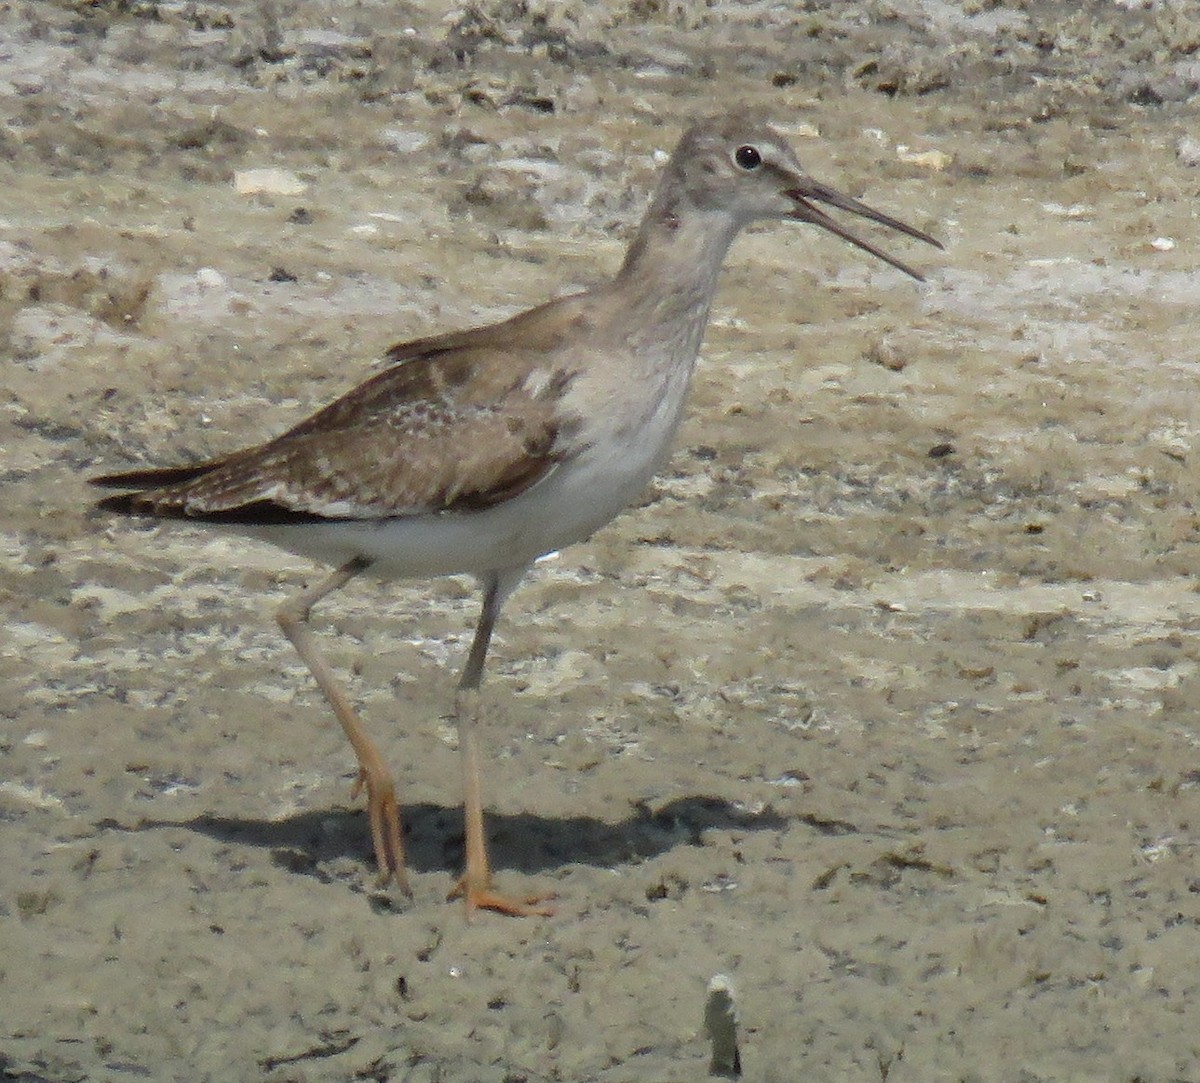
[404, 140]
[270, 181]
[1187, 150]
[926, 159]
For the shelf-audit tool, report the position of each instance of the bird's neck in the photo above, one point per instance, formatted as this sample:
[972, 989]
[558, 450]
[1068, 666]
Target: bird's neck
[670, 272]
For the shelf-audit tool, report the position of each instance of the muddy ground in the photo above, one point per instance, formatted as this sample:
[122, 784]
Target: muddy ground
[885, 702]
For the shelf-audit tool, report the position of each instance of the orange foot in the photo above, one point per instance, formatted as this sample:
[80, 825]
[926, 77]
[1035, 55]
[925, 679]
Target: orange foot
[384, 814]
[482, 897]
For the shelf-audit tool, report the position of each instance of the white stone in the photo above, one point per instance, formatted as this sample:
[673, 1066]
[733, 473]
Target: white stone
[268, 181]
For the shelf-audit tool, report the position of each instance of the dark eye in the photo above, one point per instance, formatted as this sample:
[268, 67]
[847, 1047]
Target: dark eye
[747, 157]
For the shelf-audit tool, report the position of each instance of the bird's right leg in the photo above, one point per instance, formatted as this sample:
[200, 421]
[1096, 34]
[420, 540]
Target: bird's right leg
[476, 883]
[382, 808]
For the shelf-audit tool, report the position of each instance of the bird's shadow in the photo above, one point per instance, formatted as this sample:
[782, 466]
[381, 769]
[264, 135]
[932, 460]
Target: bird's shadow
[308, 843]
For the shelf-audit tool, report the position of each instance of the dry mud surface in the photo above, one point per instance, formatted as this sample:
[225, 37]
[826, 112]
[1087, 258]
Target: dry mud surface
[884, 702]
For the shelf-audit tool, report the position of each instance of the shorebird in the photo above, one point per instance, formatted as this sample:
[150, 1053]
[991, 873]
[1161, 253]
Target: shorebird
[482, 450]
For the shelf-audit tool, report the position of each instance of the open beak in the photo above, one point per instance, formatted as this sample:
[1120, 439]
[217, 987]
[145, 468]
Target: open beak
[809, 190]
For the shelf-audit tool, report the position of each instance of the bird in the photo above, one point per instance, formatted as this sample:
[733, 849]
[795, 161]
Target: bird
[480, 451]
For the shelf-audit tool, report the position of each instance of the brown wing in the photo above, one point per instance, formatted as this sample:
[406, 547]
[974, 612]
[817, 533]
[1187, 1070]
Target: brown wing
[460, 422]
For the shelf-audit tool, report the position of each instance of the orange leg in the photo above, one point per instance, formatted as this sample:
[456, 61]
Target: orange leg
[382, 808]
[476, 884]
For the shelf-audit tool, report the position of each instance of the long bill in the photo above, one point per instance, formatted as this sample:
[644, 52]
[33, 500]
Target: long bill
[807, 211]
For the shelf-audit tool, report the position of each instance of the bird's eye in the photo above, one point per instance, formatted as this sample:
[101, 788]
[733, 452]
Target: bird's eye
[747, 157]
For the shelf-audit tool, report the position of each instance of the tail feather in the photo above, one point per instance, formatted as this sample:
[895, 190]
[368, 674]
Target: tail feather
[152, 478]
[147, 498]
[256, 513]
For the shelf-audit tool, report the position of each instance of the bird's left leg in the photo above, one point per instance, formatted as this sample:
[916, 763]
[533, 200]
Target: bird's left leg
[382, 807]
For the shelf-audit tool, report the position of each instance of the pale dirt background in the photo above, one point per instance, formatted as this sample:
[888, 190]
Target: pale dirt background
[885, 703]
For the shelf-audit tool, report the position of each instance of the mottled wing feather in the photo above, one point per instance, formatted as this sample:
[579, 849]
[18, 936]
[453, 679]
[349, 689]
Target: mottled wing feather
[418, 458]
[483, 366]
[459, 422]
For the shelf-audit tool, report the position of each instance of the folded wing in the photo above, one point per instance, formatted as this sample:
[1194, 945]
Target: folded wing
[459, 422]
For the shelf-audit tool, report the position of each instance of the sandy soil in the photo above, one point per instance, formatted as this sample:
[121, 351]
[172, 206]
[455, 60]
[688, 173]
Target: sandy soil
[884, 702]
